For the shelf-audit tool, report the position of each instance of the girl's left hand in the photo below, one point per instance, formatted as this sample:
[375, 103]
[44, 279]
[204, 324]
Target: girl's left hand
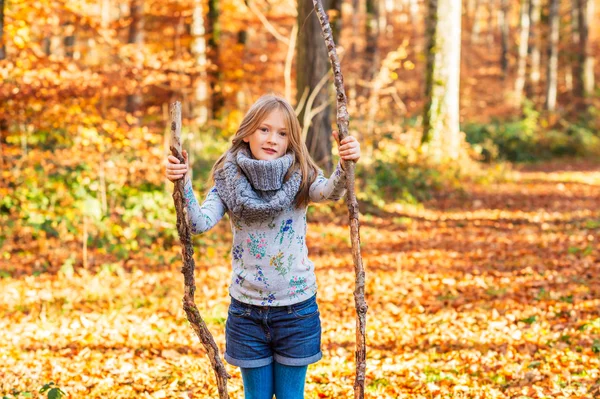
[349, 147]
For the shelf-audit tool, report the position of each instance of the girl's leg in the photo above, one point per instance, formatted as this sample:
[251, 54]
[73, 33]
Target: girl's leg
[258, 382]
[289, 381]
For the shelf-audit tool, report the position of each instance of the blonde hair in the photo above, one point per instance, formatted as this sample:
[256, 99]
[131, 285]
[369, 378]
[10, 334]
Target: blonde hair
[257, 113]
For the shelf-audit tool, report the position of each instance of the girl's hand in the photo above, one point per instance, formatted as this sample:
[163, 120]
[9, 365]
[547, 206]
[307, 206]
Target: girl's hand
[174, 169]
[349, 148]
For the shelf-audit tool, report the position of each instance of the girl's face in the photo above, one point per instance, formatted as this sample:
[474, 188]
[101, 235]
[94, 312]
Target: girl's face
[270, 140]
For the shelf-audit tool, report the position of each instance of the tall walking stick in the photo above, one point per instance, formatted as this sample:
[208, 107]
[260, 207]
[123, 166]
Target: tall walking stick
[342, 122]
[187, 252]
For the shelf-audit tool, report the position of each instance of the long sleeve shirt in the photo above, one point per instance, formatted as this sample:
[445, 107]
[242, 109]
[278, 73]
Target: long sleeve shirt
[270, 264]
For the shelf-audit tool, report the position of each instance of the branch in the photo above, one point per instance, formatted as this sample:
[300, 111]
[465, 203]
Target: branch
[342, 122]
[267, 24]
[187, 251]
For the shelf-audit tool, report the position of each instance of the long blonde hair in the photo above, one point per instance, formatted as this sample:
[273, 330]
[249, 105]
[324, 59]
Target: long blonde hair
[257, 113]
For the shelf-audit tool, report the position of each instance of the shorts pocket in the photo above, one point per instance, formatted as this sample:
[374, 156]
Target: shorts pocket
[304, 311]
[238, 310]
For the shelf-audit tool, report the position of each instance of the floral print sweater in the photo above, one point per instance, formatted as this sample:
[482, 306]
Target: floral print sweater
[270, 265]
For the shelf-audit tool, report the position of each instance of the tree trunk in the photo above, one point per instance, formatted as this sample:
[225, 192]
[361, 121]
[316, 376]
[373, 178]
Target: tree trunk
[584, 72]
[311, 66]
[213, 31]
[491, 10]
[522, 60]
[201, 87]
[441, 134]
[552, 70]
[136, 36]
[372, 36]
[2, 45]
[105, 13]
[69, 39]
[414, 10]
[534, 44]
[475, 24]
[503, 20]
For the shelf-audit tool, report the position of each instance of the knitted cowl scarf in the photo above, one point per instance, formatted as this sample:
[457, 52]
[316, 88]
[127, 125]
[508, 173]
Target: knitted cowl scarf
[254, 190]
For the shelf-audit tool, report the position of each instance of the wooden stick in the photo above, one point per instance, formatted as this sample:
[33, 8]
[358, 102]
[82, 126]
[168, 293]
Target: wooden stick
[187, 252]
[342, 122]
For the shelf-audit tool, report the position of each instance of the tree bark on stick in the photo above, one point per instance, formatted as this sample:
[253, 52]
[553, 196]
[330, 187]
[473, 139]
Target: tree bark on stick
[342, 122]
[187, 252]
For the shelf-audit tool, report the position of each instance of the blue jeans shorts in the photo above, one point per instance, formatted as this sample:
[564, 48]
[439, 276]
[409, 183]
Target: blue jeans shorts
[257, 335]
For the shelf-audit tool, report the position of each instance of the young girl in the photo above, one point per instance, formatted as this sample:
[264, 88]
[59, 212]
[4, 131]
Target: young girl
[265, 182]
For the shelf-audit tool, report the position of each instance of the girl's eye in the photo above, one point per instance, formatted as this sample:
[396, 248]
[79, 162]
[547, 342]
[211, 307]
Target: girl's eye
[283, 134]
[263, 129]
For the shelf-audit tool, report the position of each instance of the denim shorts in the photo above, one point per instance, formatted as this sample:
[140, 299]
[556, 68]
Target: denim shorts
[257, 335]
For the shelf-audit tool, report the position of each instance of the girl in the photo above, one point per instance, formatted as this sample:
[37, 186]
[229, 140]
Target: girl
[265, 182]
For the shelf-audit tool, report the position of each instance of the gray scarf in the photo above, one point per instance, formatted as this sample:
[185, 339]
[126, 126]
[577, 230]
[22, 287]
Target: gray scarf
[254, 190]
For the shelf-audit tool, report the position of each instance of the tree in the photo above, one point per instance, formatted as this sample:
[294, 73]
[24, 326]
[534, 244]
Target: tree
[534, 45]
[584, 65]
[372, 36]
[136, 36]
[504, 22]
[2, 46]
[312, 66]
[441, 135]
[522, 60]
[213, 31]
[552, 70]
[198, 49]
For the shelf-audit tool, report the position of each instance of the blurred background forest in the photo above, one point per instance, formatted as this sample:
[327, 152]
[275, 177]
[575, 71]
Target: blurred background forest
[479, 187]
[86, 87]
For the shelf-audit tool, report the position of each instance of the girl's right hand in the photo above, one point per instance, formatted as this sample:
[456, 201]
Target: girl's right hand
[174, 169]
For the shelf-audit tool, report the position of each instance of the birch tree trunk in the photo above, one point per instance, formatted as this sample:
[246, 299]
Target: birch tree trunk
[552, 70]
[522, 60]
[475, 25]
[491, 10]
[584, 72]
[136, 36]
[198, 47]
[441, 133]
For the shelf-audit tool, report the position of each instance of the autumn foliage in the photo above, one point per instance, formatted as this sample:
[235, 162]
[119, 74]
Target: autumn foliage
[482, 281]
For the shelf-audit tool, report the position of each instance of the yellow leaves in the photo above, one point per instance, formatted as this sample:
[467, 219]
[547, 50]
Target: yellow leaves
[210, 252]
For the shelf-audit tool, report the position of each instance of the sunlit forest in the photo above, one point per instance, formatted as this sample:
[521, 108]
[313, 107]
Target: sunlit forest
[478, 188]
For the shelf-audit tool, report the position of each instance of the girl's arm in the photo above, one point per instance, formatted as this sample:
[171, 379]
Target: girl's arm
[331, 189]
[203, 217]
[334, 188]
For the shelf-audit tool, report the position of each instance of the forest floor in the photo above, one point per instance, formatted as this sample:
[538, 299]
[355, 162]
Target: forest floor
[492, 294]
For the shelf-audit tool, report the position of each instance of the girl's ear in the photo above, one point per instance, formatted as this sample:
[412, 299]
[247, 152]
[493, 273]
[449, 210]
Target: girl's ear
[245, 139]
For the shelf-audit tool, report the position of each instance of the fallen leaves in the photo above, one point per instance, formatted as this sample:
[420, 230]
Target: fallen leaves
[489, 303]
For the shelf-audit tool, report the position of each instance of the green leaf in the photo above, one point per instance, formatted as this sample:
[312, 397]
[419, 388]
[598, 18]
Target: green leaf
[529, 320]
[534, 365]
[55, 393]
[46, 387]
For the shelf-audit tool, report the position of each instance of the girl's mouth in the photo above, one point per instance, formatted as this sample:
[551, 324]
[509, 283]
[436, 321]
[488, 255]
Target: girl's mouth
[269, 151]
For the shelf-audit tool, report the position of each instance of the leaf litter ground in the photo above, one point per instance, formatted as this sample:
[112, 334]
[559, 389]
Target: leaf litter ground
[491, 295]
